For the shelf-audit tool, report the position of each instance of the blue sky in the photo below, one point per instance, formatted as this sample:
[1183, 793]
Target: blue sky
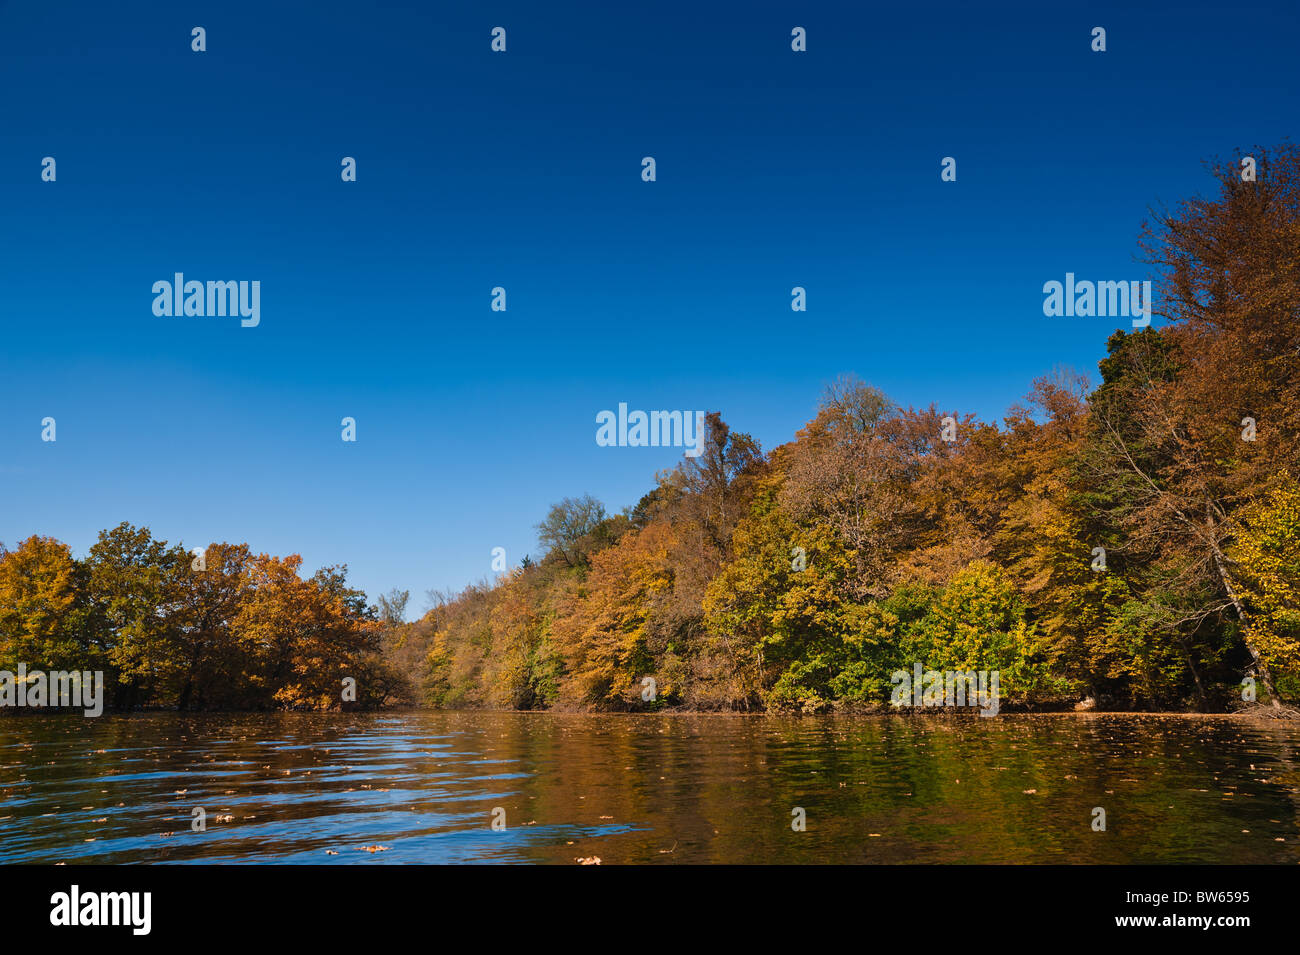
[522, 170]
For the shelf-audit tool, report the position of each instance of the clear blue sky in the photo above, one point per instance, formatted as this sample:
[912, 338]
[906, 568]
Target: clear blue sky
[522, 170]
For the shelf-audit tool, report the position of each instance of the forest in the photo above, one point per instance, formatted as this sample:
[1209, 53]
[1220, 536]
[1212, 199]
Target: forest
[1133, 543]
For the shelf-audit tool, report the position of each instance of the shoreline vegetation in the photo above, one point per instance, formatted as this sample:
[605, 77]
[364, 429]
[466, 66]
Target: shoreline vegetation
[1134, 544]
[1247, 712]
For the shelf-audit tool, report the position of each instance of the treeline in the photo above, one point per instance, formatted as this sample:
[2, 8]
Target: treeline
[1137, 543]
[169, 629]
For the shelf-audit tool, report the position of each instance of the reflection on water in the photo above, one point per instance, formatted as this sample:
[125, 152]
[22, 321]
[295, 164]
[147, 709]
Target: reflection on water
[304, 788]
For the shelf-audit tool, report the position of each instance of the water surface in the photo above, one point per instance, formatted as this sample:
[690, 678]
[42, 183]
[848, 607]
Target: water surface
[330, 788]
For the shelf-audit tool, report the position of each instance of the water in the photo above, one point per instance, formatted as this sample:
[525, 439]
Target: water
[307, 788]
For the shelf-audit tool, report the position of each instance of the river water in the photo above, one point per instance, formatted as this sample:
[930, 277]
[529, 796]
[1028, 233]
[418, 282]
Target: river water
[427, 787]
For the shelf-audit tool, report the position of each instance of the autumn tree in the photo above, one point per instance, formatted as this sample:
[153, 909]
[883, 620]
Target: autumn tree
[44, 611]
[1198, 415]
[1265, 558]
[208, 667]
[601, 628]
[134, 591]
[300, 638]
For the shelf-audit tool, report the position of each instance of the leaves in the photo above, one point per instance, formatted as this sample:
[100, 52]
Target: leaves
[244, 632]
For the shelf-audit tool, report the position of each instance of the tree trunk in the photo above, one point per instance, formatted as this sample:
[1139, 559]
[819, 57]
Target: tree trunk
[1264, 673]
[1196, 675]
